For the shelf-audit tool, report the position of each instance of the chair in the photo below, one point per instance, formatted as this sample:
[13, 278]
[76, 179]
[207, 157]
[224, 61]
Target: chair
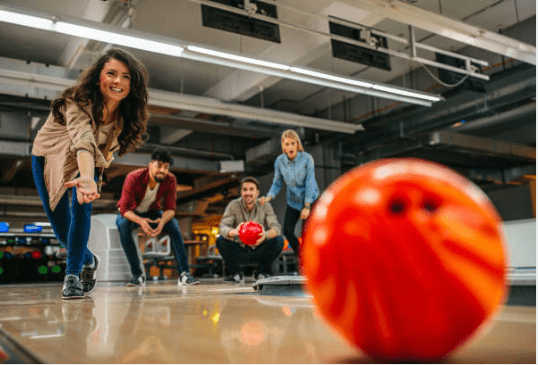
[157, 252]
[213, 261]
[157, 248]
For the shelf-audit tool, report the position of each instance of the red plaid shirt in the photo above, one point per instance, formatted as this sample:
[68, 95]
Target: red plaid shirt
[134, 189]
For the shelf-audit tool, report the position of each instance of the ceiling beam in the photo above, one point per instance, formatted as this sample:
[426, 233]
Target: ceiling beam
[95, 10]
[84, 28]
[405, 13]
[22, 83]
[487, 146]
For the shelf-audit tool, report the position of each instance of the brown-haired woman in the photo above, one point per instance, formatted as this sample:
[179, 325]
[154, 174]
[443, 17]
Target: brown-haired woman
[105, 112]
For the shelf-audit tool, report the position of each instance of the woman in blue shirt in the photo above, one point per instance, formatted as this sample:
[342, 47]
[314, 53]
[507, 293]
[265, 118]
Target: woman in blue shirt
[296, 168]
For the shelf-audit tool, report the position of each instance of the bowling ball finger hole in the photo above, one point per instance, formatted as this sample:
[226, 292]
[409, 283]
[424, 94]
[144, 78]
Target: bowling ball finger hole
[430, 206]
[397, 206]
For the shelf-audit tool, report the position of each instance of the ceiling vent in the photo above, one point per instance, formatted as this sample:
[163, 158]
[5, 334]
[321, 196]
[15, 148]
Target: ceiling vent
[358, 54]
[243, 24]
[456, 79]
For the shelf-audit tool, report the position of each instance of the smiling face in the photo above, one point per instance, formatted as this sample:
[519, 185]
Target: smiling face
[158, 170]
[249, 193]
[114, 81]
[289, 146]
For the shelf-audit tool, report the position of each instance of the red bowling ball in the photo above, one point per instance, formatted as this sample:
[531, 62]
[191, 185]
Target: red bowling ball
[249, 232]
[405, 258]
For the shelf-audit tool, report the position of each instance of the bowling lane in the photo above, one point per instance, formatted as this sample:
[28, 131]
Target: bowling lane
[164, 323]
[209, 323]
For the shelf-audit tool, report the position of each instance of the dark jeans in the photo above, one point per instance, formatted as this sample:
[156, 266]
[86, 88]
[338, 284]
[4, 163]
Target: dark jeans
[291, 217]
[126, 227]
[236, 255]
[71, 225]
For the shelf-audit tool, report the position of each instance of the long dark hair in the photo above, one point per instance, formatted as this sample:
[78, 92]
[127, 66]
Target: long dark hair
[133, 109]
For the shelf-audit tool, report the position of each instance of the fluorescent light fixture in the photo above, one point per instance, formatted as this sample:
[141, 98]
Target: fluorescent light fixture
[119, 39]
[322, 75]
[406, 93]
[233, 57]
[90, 33]
[25, 20]
[169, 46]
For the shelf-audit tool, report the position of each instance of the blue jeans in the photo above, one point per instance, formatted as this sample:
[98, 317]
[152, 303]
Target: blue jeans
[263, 255]
[125, 228]
[70, 225]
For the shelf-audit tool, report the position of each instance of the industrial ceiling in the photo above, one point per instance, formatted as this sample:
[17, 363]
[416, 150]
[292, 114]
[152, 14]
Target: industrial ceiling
[305, 66]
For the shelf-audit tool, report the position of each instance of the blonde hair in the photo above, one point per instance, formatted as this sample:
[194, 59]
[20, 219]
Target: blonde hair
[290, 133]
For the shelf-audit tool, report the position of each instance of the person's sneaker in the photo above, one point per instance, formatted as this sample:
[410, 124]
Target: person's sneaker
[62, 254]
[88, 277]
[72, 288]
[235, 278]
[260, 275]
[137, 281]
[187, 279]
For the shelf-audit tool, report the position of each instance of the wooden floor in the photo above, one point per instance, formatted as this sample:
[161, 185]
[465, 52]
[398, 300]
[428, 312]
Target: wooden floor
[209, 323]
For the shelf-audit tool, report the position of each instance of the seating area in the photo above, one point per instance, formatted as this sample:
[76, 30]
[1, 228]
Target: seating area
[212, 265]
[157, 254]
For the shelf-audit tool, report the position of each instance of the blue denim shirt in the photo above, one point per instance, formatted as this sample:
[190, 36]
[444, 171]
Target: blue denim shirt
[299, 177]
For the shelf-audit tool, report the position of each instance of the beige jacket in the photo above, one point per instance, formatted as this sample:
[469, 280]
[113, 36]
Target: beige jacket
[59, 145]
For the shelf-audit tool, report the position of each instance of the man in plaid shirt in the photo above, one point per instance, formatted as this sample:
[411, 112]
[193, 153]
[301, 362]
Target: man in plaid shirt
[148, 201]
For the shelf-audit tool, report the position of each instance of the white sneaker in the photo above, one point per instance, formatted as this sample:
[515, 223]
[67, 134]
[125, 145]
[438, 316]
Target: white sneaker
[187, 279]
[235, 278]
[137, 281]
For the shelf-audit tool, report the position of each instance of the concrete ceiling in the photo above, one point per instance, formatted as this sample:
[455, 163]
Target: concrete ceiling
[210, 116]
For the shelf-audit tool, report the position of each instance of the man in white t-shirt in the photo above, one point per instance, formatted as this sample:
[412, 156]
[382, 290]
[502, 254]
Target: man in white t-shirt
[148, 201]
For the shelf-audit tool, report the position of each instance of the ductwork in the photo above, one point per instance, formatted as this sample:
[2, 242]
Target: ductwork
[521, 112]
[486, 146]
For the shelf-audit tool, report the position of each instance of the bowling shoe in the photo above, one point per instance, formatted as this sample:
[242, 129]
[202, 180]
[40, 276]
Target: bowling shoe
[137, 281]
[62, 254]
[72, 288]
[235, 278]
[89, 275]
[260, 275]
[187, 279]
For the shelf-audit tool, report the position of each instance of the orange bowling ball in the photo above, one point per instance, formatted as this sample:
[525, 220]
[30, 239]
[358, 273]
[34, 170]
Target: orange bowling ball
[405, 258]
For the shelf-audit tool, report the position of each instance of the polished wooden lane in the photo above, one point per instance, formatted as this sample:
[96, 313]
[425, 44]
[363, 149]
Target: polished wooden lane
[209, 323]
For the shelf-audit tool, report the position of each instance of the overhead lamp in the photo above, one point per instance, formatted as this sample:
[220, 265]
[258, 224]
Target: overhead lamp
[233, 57]
[24, 20]
[90, 32]
[406, 93]
[119, 39]
[168, 46]
[322, 75]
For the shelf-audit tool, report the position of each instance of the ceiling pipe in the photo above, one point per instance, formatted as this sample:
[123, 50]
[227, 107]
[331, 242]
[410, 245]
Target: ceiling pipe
[204, 105]
[190, 151]
[528, 109]
[394, 53]
[173, 47]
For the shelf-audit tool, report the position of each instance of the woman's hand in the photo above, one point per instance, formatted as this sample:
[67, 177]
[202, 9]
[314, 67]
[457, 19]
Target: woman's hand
[305, 213]
[86, 189]
[264, 199]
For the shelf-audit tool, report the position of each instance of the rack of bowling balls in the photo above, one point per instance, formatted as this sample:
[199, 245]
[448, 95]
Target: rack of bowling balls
[30, 257]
